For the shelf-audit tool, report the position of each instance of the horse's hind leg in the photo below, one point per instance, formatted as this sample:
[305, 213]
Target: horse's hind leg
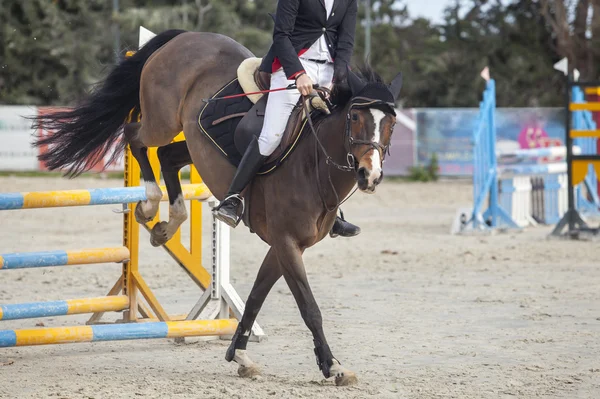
[267, 276]
[172, 158]
[145, 210]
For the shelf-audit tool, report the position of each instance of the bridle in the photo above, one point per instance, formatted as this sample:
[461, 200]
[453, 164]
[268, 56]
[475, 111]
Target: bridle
[364, 102]
[349, 142]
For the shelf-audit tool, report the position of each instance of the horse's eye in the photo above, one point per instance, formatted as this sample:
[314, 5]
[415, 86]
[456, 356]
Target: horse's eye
[354, 117]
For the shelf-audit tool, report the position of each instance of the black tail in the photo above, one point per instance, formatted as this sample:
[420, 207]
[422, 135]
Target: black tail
[81, 137]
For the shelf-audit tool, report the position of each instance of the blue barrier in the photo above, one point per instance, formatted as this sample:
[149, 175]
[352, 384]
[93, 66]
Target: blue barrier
[485, 171]
[98, 196]
[489, 176]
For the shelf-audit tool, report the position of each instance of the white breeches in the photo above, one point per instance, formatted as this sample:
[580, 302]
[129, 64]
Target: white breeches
[280, 104]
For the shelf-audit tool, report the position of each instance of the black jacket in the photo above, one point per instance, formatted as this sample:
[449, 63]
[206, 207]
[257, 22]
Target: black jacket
[300, 23]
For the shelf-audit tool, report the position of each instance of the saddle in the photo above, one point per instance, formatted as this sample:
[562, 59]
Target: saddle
[231, 123]
[252, 79]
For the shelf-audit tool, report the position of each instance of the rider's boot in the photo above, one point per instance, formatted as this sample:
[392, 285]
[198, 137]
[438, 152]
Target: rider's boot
[343, 228]
[229, 210]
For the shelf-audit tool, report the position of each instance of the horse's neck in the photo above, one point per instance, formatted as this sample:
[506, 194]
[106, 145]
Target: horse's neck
[332, 133]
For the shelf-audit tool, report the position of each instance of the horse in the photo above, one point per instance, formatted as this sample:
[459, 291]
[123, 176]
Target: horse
[148, 98]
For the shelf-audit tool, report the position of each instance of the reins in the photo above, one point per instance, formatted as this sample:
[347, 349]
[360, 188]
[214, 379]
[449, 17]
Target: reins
[348, 143]
[328, 161]
[322, 93]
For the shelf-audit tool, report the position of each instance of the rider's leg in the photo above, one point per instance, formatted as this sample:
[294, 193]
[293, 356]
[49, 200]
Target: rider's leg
[278, 110]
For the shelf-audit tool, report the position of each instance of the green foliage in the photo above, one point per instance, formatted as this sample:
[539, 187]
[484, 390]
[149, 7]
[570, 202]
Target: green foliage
[52, 50]
[43, 56]
[427, 173]
[442, 63]
[434, 168]
[418, 174]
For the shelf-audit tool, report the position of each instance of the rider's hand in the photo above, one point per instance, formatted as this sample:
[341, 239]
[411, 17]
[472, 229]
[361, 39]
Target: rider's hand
[304, 84]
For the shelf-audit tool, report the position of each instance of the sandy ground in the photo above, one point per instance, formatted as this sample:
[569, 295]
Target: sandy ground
[415, 312]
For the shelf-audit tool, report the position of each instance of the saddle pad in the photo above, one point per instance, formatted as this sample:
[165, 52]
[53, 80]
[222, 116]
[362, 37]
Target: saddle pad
[222, 133]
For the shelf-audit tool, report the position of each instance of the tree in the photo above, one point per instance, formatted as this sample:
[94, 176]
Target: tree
[514, 42]
[245, 21]
[52, 50]
[43, 59]
[575, 25]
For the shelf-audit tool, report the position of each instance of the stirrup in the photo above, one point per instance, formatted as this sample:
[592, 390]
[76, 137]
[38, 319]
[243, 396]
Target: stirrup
[232, 196]
[238, 217]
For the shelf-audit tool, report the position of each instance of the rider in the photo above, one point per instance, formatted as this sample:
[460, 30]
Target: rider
[313, 40]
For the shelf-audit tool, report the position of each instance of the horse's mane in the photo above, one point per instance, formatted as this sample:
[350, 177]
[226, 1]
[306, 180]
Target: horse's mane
[341, 93]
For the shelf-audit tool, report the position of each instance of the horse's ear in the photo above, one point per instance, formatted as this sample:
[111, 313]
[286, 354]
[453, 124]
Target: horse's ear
[396, 85]
[355, 83]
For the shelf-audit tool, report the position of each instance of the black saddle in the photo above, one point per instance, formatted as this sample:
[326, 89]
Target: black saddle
[231, 123]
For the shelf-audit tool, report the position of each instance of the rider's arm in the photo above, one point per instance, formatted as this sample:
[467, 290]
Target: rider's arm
[345, 45]
[283, 48]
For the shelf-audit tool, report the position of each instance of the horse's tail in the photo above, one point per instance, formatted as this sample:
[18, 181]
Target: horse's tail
[82, 137]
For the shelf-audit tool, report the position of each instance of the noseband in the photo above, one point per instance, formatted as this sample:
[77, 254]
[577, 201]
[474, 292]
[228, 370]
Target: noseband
[349, 142]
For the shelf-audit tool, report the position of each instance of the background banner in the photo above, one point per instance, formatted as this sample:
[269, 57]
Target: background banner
[16, 152]
[448, 133]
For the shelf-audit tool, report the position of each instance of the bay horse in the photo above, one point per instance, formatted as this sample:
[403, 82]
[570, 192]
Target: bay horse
[292, 208]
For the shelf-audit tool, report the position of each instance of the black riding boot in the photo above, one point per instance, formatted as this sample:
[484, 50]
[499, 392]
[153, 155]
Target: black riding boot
[343, 228]
[227, 212]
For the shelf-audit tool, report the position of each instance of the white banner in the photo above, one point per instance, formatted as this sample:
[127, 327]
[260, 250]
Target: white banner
[16, 152]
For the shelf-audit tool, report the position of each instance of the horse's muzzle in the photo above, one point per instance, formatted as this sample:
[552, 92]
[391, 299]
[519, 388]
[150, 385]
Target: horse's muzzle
[368, 180]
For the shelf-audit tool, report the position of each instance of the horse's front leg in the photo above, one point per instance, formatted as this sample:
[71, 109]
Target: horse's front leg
[290, 259]
[267, 276]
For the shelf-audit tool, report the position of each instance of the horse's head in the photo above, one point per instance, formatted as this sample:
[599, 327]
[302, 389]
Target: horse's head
[370, 123]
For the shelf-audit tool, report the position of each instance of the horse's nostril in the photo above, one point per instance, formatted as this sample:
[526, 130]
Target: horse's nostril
[362, 173]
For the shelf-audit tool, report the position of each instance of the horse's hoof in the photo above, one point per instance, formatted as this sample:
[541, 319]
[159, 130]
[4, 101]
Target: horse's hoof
[347, 379]
[343, 376]
[158, 235]
[139, 214]
[248, 371]
[247, 368]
